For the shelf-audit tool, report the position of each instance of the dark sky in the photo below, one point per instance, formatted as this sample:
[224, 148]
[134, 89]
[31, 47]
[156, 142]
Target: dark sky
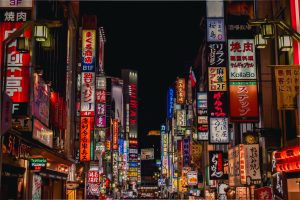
[159, 39]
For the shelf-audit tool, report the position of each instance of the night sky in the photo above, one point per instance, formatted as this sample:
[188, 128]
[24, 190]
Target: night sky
[159, 39]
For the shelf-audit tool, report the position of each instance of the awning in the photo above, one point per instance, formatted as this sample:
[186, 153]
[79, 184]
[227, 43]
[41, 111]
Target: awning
[53, 174]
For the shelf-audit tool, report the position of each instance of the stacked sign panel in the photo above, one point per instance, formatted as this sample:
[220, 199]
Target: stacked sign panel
[217, 77]
[88, 93]
[18, 63]
[202, 116]
[241, 63]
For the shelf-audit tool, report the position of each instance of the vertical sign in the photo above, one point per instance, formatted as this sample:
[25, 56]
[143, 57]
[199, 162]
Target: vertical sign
[280, 185]
[186, 152]
[218, 104]
[217, 79]
[287, 86]
[202, 115]
[100, 110]
[295, 19]
[85, 138]
[164, 150]
[17, 75]
[133, 106]
[88, 50]
[181, 118]
[219, 133]
[180, 91]
[215, 30]
[115, 134]
[216, 54]
[41, 99]
[216, 165]
[252, 168]
[87, 93]
[243, 101]
[170, 102]
[36, 187]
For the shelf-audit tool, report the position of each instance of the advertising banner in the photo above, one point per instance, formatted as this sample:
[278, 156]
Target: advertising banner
[85, 138]
[218, 104]
[217, 79]
[252, 167]
[192, 178]
[287, 86]
[101, 96]
[216, 165]
[238, 15]
[133, 109]
[115, 134]
[147, 154]
[42, 133]
[181, 117]
[100, 82]
[215, 30]
[41, 99]
[17, 75]
[241, 57]
[180, 91]
[117, 97]
[242, 193]
[36, 187]
[164, 150]
[186, 152]
[179, 156]
[87, 94]
[243, 101]
[264, 193]
[170, 102]
[202, 115]
[219, 133]
[88, 50]
[216, 55]
[196, 153]
[280, 189]
[93, 177]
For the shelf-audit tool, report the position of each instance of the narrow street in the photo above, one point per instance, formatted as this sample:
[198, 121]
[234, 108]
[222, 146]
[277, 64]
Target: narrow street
[150, 99]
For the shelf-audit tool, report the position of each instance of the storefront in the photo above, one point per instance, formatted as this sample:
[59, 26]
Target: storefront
[14, 169]
[286, 179]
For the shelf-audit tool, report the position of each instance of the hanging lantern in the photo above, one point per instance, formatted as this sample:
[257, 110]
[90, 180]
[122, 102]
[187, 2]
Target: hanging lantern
[22, 44]
[267, 30]
[260, 42]
[285, 43]
[40, 32]
[48, 43]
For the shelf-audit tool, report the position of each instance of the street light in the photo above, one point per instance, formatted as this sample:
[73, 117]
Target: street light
[285, 43]
[22, 44]
[260, 42]
[267, 28]
[40, 32]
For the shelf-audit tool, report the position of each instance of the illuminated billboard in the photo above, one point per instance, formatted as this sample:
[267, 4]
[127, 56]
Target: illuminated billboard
[180, 91]
[87, 94]
[241, 57]
[88, 50]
